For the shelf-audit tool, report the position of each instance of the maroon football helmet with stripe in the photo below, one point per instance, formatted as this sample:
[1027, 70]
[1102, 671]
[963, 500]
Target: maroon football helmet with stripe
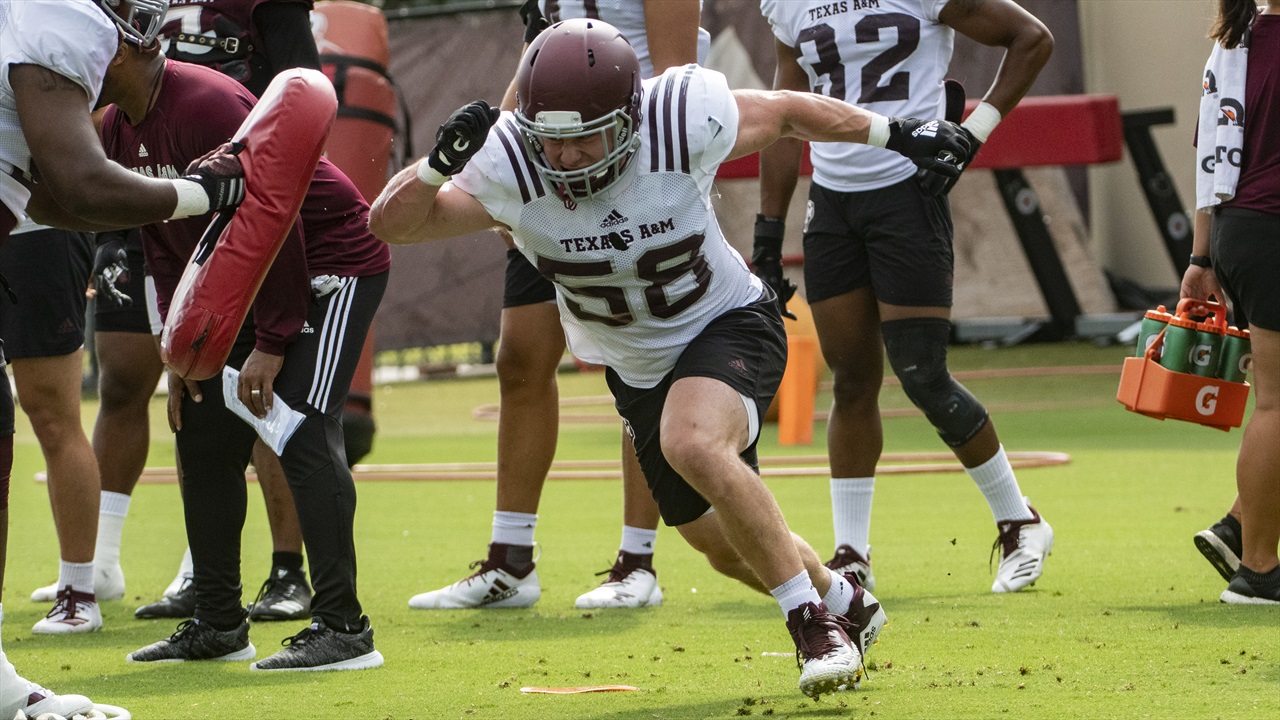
[579, 78]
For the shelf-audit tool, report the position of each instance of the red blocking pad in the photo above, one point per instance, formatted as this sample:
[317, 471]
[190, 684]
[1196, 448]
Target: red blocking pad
[1054, 130]
[283, 138]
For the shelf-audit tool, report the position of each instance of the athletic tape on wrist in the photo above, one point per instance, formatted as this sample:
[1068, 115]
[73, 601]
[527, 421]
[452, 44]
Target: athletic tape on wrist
[982, 121]
[430, 175]
[878, 134]
[192, 199]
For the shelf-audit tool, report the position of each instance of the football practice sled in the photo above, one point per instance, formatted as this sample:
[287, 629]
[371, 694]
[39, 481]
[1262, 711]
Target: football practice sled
[281, 140]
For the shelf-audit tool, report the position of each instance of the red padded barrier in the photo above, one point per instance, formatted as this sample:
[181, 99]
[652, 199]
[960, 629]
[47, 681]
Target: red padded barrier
[1041, 130]
[283, 138]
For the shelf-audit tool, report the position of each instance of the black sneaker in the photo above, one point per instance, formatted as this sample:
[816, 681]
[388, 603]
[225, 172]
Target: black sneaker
[196, 640]
[1221, 546]
[319, 647]
[284, 596]
[1250, 588]
[181, 604]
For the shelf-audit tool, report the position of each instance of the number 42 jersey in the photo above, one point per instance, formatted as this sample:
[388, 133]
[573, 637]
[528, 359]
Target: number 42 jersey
[888, 56]
[642, 267]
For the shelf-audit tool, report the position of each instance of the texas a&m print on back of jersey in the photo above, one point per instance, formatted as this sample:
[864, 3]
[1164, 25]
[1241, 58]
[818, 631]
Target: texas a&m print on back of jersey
[645, 249]
[889, 56]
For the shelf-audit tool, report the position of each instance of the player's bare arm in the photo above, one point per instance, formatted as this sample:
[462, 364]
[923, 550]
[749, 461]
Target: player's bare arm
[780, 162]
[671, 28]
[1003, 23]
[409, 210]
[71, 160]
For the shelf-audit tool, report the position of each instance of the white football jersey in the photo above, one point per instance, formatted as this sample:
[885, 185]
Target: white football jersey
[889, 56]
[642, 267]
[626, 15]
[73, 38]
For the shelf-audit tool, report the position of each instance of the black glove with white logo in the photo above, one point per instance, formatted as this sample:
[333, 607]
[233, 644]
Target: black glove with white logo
[110, 264]
[462, 136]
[935, 145]
[932, 182]
[534, 22]
[766, 259]
[221, 175]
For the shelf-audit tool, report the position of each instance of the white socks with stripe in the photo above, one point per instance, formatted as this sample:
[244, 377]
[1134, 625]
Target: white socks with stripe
[851, 511]
[998, 485]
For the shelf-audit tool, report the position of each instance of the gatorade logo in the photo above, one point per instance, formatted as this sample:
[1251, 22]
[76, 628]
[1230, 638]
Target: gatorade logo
[1207, 400]
[1201, 354]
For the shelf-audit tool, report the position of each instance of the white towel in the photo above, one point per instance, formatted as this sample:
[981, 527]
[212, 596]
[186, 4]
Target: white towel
[1220, 138]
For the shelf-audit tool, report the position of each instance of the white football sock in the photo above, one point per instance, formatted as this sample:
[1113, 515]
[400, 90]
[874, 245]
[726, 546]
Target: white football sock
[851, 511]
[185, 572]
[839, 595]
[795, 592]
[998, 485]
[638, 541]
[514, 528]
[78, 575]
[112, 510]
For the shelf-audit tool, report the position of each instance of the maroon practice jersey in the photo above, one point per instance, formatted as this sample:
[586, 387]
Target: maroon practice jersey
[1259, 184]
[198, 109]
[226, 35]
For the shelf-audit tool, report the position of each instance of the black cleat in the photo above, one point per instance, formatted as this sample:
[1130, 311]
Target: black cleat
[284, 596]
[177, 606]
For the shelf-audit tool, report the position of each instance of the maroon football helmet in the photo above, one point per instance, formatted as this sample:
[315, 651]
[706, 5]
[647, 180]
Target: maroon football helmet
[579, 78]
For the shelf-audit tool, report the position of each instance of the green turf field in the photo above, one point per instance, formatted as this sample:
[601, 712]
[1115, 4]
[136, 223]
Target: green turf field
[1125, 622]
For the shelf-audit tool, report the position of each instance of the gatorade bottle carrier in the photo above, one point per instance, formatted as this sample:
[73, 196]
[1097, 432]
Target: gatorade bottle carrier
[1148, 388]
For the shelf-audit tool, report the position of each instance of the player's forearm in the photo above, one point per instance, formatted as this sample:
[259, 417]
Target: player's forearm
[1026, 56]
[400, 215]
[779, 171]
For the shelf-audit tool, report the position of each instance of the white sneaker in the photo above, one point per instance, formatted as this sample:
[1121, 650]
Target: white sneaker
[828, 660]
[847, 560]
[73, 612]
[489, 587]
[629, 586]
[1024, 545]
[108, 582]
[19, 695]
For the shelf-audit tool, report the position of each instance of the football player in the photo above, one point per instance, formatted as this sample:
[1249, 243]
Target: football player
[665, 34]
[604, 183]
[56, 54]
[251, 41]
[299, 346]
[877, 245]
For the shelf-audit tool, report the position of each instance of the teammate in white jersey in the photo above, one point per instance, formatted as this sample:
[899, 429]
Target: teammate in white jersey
[53, 57]
[665, 34]
[877, 243]
[605, 182]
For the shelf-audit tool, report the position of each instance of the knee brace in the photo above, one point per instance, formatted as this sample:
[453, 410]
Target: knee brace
[917, 349]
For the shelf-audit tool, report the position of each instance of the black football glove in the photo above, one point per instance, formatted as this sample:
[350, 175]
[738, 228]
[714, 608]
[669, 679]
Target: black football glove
[935, 145]
[534, 22]
[933, 183]
[462, 136]
[221, 175]
[110, 264]
[766, 260]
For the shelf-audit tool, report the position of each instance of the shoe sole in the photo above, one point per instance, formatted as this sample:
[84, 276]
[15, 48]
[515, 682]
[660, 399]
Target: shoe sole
[72, 630]
[521, 599]
[1217, 553]
[270, 616]
[364, 662]
[246, 653]
[1231, 597]
[835, 683]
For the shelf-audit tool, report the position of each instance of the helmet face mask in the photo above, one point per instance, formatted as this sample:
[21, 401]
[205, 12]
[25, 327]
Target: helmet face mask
[138, 20]
[579, 79]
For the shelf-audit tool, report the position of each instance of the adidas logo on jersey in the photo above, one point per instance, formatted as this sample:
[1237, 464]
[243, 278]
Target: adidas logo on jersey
[307, 329]
[929, 129]
[614, 219]
[142, 151]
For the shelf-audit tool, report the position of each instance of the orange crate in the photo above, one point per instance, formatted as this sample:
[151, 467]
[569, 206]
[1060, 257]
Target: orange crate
[1148, 388]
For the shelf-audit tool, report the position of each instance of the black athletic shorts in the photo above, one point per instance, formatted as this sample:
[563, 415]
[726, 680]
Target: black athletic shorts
[48, 270]
[746, 349]
[1246, 258]
[141, 315]
[524, 286]
[896, 239]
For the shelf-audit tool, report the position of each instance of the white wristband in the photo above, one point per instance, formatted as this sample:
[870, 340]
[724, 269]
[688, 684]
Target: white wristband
[878, 134]
[430, 175]
[982, 121]
[192, 199]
